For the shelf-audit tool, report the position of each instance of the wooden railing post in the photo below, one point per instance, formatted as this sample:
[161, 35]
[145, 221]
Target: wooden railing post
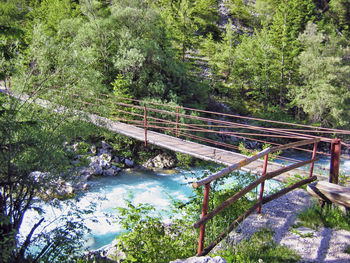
[177, 121]
[263, 183]
[145, 124]
[204, 212]
[313, 157]
[335, 161]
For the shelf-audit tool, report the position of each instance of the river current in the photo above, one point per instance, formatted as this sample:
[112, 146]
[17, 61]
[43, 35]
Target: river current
[154, 188]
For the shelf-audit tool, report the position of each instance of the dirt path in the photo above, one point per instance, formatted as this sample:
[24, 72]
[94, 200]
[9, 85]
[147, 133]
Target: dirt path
[326, 245]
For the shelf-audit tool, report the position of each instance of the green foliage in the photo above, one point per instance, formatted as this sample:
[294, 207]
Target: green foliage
[184, 160]
[149, 239]
[344, 179]
[260, 247]
[336, 18]
[50, 13]
[328, 216]
[324, 73]
[242, 13]
[185, 19]
[297, 232]
[294, 179]
[12, 19]
[124, 146]
[248, 152]
[32, 140]
[347, 250]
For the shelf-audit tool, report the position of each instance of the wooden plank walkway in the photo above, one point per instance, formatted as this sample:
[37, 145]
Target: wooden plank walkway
[197, 150]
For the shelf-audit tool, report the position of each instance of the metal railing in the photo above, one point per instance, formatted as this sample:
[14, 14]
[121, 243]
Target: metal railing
[261, 180]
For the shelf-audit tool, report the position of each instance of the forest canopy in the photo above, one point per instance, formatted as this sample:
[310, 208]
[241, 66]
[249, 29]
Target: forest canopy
[286, 60]
[277, 59]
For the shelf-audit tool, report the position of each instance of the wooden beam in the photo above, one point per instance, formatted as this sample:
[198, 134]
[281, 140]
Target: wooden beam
[331, 193]
[246, 189]
[251, 210]
[231, 168]
[294, 144]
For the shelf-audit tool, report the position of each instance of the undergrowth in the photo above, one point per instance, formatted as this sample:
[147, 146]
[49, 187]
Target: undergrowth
[328, 216]
[260, 247]
[149, 239]
[347, 250]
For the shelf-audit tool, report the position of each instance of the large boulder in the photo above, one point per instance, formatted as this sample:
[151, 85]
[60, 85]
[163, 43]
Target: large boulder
[161, 161]
[129, 163]
[105, 148]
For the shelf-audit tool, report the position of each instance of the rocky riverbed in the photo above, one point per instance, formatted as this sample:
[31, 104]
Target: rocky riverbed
[92, 161]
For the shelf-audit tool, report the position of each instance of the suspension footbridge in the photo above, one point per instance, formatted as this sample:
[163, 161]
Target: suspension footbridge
[211, 136]
[207, 135]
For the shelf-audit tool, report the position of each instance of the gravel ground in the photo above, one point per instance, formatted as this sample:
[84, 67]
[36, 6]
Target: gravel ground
[326, 245]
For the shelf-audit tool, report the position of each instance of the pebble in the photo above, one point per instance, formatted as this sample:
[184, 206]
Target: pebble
[326, 244]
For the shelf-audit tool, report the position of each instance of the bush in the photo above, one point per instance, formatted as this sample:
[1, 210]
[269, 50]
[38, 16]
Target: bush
[328, 216]
[150, 240]
[260, 247]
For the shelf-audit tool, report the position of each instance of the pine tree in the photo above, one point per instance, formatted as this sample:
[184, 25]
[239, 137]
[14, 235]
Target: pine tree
[325, 91]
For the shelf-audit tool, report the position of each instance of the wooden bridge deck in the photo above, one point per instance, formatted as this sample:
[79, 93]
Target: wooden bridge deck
[197, 150]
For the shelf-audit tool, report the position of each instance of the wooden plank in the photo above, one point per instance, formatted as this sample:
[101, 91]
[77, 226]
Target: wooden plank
[294, 144]
[331, 193]
[252, 209]
[224, 157]
[245, 190]
[231, 168]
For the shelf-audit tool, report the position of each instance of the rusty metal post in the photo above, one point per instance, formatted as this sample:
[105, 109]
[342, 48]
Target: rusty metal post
[145, 124]
[263, 183]
[335, 161]
[313, 156]
[204, 212]
[177, 120]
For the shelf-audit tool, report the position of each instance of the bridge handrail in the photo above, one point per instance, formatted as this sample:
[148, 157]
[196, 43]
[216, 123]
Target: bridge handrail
[248, 188]
[261, 180]
[249, 160]
[315, 128]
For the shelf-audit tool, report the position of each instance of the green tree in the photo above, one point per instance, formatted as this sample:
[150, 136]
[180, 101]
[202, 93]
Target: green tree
[12, 20]
[32, 161]
[336, 17]
[289, 20]
[188, 21]
[256, 67]
[242, 12]
[324, 93]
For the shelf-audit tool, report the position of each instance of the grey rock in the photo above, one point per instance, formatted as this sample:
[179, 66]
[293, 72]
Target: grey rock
[110, 172]
[106, 146]
[129, 163]
[75, 147]
[95, 168]
[106, 157]
[161, 161]
[93, 149]
[97, 163]
[82, 187]
[38, 176]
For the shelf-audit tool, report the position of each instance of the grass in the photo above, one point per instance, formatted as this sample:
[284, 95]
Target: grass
[347, 250]
[296, 231]
[328, 216]
[260, 247]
